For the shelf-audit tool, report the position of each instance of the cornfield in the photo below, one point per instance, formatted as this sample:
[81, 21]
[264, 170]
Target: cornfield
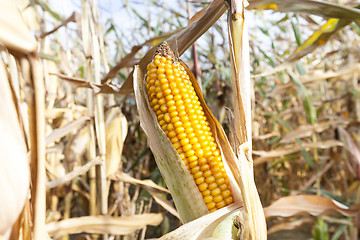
[90, 141]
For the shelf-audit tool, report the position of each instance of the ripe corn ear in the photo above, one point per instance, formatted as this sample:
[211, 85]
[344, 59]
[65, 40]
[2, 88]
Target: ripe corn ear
[179, 113]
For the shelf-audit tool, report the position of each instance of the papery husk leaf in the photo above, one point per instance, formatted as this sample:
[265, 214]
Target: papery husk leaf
[202, 227]
[188, 199]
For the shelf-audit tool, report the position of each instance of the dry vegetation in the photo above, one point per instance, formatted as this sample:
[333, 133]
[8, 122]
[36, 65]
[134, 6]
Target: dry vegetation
[84, 129]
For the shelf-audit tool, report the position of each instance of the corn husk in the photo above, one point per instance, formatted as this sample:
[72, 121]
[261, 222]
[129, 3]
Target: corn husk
[188, 199]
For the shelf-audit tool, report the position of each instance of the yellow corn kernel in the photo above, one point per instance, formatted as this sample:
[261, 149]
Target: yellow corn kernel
[178, 109]
[208, 199]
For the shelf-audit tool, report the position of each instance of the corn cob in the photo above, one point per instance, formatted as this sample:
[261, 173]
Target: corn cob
[179, 113]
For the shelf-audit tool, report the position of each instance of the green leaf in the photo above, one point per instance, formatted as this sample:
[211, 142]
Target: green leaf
[338, 232]
[296, 32]
[320, 231]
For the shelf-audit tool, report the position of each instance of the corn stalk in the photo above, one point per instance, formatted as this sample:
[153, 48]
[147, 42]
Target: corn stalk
[241, 131]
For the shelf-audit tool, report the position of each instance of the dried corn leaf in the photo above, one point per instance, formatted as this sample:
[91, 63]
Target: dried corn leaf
[308, 204]
[104, 224]
[148, 184]
[352, 147]
[74, 16]
[290, 225]
[109, 88]
[73, 174]
[280, 152]
[325, 9]
[344, 73]
[166, 204]
[59, 133]
[182, 40]
[15, 35]
[307, 130]
[130, 60]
